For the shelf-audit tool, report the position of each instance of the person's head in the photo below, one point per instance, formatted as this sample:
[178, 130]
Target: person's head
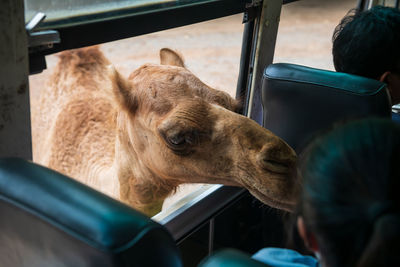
[349, 209]
[368, 44]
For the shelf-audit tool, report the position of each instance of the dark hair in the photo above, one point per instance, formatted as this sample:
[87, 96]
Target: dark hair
[368, 43]
[351, 198]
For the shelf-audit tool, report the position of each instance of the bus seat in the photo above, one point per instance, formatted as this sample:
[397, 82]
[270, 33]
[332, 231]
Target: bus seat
[230, 258]
[298, 101]
[48, 219]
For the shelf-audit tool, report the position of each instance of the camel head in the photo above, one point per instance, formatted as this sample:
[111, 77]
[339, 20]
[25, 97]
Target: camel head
[179, 130]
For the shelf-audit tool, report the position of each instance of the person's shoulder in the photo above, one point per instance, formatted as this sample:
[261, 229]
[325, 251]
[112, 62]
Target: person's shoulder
[281, 257]
[396, 114]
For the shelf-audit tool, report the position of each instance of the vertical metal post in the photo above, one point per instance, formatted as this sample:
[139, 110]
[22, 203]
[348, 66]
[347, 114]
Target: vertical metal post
[211, 236]
[361, 5]
[15, 123]
[245, 61]
[264, 53]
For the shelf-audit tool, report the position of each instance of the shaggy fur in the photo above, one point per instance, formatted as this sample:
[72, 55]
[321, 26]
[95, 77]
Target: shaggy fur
[137, 139]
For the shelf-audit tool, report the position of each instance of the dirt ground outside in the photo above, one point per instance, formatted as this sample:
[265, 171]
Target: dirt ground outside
[212, 49]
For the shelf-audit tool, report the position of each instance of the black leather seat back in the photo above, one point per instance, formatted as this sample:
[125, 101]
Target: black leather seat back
[48, 219]
[299, 102]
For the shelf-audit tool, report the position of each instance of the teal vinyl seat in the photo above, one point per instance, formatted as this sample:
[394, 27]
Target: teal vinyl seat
[48, 219]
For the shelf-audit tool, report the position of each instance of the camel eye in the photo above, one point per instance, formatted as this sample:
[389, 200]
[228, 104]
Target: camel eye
[177, 140]
[182, 142]
[182, 139]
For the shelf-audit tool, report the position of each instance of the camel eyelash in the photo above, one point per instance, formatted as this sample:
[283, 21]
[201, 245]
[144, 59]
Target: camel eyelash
[183, 138]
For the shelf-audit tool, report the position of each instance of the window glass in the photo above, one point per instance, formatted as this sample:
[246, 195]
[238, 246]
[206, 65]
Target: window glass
[306, 29]
[96, 9]
[391, 3]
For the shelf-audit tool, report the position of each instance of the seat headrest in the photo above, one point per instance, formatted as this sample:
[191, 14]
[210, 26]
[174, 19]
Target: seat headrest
[298, 102]
[49, 219]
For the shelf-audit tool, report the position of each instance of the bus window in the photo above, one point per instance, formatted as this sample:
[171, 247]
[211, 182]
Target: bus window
[211, 51]
[75, 11]
[305, 32]
[390, 3]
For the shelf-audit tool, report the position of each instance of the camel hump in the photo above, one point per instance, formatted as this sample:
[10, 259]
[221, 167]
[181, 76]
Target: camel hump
[91, 55]
[171, 57]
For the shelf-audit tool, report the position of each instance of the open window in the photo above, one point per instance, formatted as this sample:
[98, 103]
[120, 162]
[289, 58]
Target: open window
[119, 27]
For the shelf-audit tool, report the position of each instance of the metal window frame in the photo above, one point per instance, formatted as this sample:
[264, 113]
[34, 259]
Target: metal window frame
[76, 35]
[129, 25]
[199, 211]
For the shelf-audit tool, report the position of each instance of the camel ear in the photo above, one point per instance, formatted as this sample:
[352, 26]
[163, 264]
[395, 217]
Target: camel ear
[122, 90]
[170, 57]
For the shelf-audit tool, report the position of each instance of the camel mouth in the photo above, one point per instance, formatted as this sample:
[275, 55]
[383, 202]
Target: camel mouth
[274, 203]
[277, 167]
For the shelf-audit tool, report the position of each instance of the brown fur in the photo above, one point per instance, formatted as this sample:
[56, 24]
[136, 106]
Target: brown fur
[138, 139]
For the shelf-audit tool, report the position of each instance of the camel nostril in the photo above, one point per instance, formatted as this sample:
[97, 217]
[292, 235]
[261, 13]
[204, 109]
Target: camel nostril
[276, 162]
[277, 166]
[278, 158]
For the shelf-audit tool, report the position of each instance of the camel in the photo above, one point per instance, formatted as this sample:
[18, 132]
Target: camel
[136, 139]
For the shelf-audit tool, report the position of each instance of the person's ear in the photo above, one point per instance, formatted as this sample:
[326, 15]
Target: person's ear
[393, 83]
[384, 77]
[308, 237]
